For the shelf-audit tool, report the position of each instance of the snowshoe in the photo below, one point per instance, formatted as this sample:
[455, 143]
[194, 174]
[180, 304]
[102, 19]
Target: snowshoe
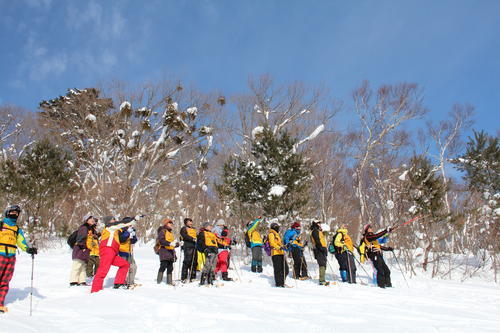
[305, 278]
[120, 286]
[73, 284]
[325, 283]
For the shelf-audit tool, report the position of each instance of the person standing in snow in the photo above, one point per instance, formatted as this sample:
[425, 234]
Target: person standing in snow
[11, 238]
[224, 244]
[127, 239]
[344, 253]
[374, 253]
[280, 266]
[293, 242]
[108, 250]
[207, 244]
[255, 245]
[190, 262]
[320, 251]
[93, 263]
[168, 243]
[81, 252]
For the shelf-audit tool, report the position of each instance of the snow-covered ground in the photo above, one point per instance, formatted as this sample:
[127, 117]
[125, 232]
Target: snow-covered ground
[248, 305]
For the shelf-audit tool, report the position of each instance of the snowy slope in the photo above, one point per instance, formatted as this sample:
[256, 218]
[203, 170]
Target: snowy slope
[248, 305]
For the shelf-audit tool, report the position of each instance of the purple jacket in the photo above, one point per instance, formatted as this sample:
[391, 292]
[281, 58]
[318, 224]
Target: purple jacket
[165, 254]
[80, 250]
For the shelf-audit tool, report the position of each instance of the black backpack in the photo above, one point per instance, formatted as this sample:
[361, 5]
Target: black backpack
[72, 238]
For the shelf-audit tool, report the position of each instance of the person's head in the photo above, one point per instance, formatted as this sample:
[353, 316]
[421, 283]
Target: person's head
[296, 226]
[107, 220]
[89, 220]
[188, 222]
[275, 226]
[168, 223]
[13, 212]
[207, 226]
[367, 228]
[316, 225]
[220, 223]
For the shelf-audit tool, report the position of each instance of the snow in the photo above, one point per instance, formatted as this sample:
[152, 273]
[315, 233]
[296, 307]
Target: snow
[248, 305]
[313, 135]
[192, 111]
[125, 105]
[390, 204]
[403, 176]
[413, 209]
[172, 153]
[257, 131]
[135, 134]
[90, 117]
[277, 190]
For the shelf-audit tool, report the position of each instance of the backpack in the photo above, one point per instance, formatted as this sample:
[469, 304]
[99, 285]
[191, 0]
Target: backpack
[156, 247]
[72, 239]
[335, 249]
[267, 246]
[247, 240]
[362, 251]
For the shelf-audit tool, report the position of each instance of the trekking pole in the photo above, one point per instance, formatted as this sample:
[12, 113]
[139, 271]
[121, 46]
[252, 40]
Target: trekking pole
[180, 262]
[31, 292]
[195, 253]
[311, 257]
[360, 264]
[397, 261]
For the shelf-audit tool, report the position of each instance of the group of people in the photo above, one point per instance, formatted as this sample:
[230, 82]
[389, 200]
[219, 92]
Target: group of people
[207, 250]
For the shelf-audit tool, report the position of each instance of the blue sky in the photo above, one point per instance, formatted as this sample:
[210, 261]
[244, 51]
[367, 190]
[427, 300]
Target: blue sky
[450, 48]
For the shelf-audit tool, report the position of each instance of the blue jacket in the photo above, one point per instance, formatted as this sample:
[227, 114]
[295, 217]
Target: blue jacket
[291, 238]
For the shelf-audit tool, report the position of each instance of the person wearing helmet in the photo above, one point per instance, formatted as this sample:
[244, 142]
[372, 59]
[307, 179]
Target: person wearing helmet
[11, 238]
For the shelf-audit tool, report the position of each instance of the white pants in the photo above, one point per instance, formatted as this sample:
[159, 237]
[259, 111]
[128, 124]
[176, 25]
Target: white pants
[78, 271]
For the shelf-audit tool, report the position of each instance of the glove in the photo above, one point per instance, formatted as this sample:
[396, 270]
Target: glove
[389, 248]
[132, 233]
[130, 230]
[345, 248]
[32, 250]
[138, 217]
[181, 243]
[233, 242]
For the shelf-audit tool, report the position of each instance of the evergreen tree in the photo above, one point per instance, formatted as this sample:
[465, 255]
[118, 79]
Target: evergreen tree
[274, 179]
[481, 163]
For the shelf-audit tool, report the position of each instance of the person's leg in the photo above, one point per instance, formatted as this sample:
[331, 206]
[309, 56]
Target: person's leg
[7, 265]
[387, 273]
[75, 271]
[186, 262]
[279, 269]
[82, 275]
[380, 271]
[303, 265]
[258, 259]
[296, 262]
[89, 269]
[163, 267]
[107, 256]
[123, 266]
[170, 269]
[132, 270]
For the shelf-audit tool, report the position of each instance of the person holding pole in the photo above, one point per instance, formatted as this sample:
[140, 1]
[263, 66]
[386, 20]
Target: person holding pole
[190, 262]
[168, 243]
[278, 255]
[11, 238]
[374, 252]
[344, 253]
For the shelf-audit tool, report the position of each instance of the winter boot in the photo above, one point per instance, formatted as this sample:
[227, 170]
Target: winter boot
[259, 268]
[202, 279]
[159, 278]
[169, 279]
[322, 273]
[211, 278]
[72, 284]
[225, 277]
[343, 275]
[254, 268]
[120, 286]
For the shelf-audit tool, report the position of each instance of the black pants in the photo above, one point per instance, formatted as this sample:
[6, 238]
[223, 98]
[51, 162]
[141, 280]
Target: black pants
[346, 263]
[166, 265]
[299, 263]
[280, 269]
[383, 272]
[321, 257]
[189, 263]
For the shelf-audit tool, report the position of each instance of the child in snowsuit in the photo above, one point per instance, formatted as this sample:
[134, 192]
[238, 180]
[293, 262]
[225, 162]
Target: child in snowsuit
[224, 244]
[207, 244]
[168, 243]
[292, 241]
[11, 238]
[81, 252]
[255, 245]
[93, 263]
[374, 253]
[344, 254]
[280, 266]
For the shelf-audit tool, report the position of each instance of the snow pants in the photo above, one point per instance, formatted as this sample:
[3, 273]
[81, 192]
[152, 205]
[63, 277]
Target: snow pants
[257, 259]
[189, 263]
[383, 272]
[110, 257]
[347, 264]
[6, 271]
[280, 268]
[132, 270]
[78, 271]
[299, 263]
[210, 262]
[92, 265]
[166, 265]
[222, 258]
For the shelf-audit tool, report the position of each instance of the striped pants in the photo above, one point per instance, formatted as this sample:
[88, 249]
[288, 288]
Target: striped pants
[6, 271]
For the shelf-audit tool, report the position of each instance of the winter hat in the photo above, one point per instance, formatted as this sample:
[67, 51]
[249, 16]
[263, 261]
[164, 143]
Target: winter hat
[107, 220]
[221, 223]
[275, 226]
[315, 225]
[295, 225]
[14, 208]
[366, 227]
[166, 221]
[86, 218]
[206, 224]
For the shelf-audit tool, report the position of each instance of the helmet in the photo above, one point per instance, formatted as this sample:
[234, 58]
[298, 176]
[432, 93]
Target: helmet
[14, 208]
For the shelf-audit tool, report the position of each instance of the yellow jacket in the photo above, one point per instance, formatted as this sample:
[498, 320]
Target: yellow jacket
[275, 242]
[343, 239]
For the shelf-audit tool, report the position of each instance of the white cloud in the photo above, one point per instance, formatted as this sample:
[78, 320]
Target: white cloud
[48, 66]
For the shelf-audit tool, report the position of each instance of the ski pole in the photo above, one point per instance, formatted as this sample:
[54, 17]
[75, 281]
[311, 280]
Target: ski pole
[409, 221]
[402, 273]
[361, 265]
[31, 292]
